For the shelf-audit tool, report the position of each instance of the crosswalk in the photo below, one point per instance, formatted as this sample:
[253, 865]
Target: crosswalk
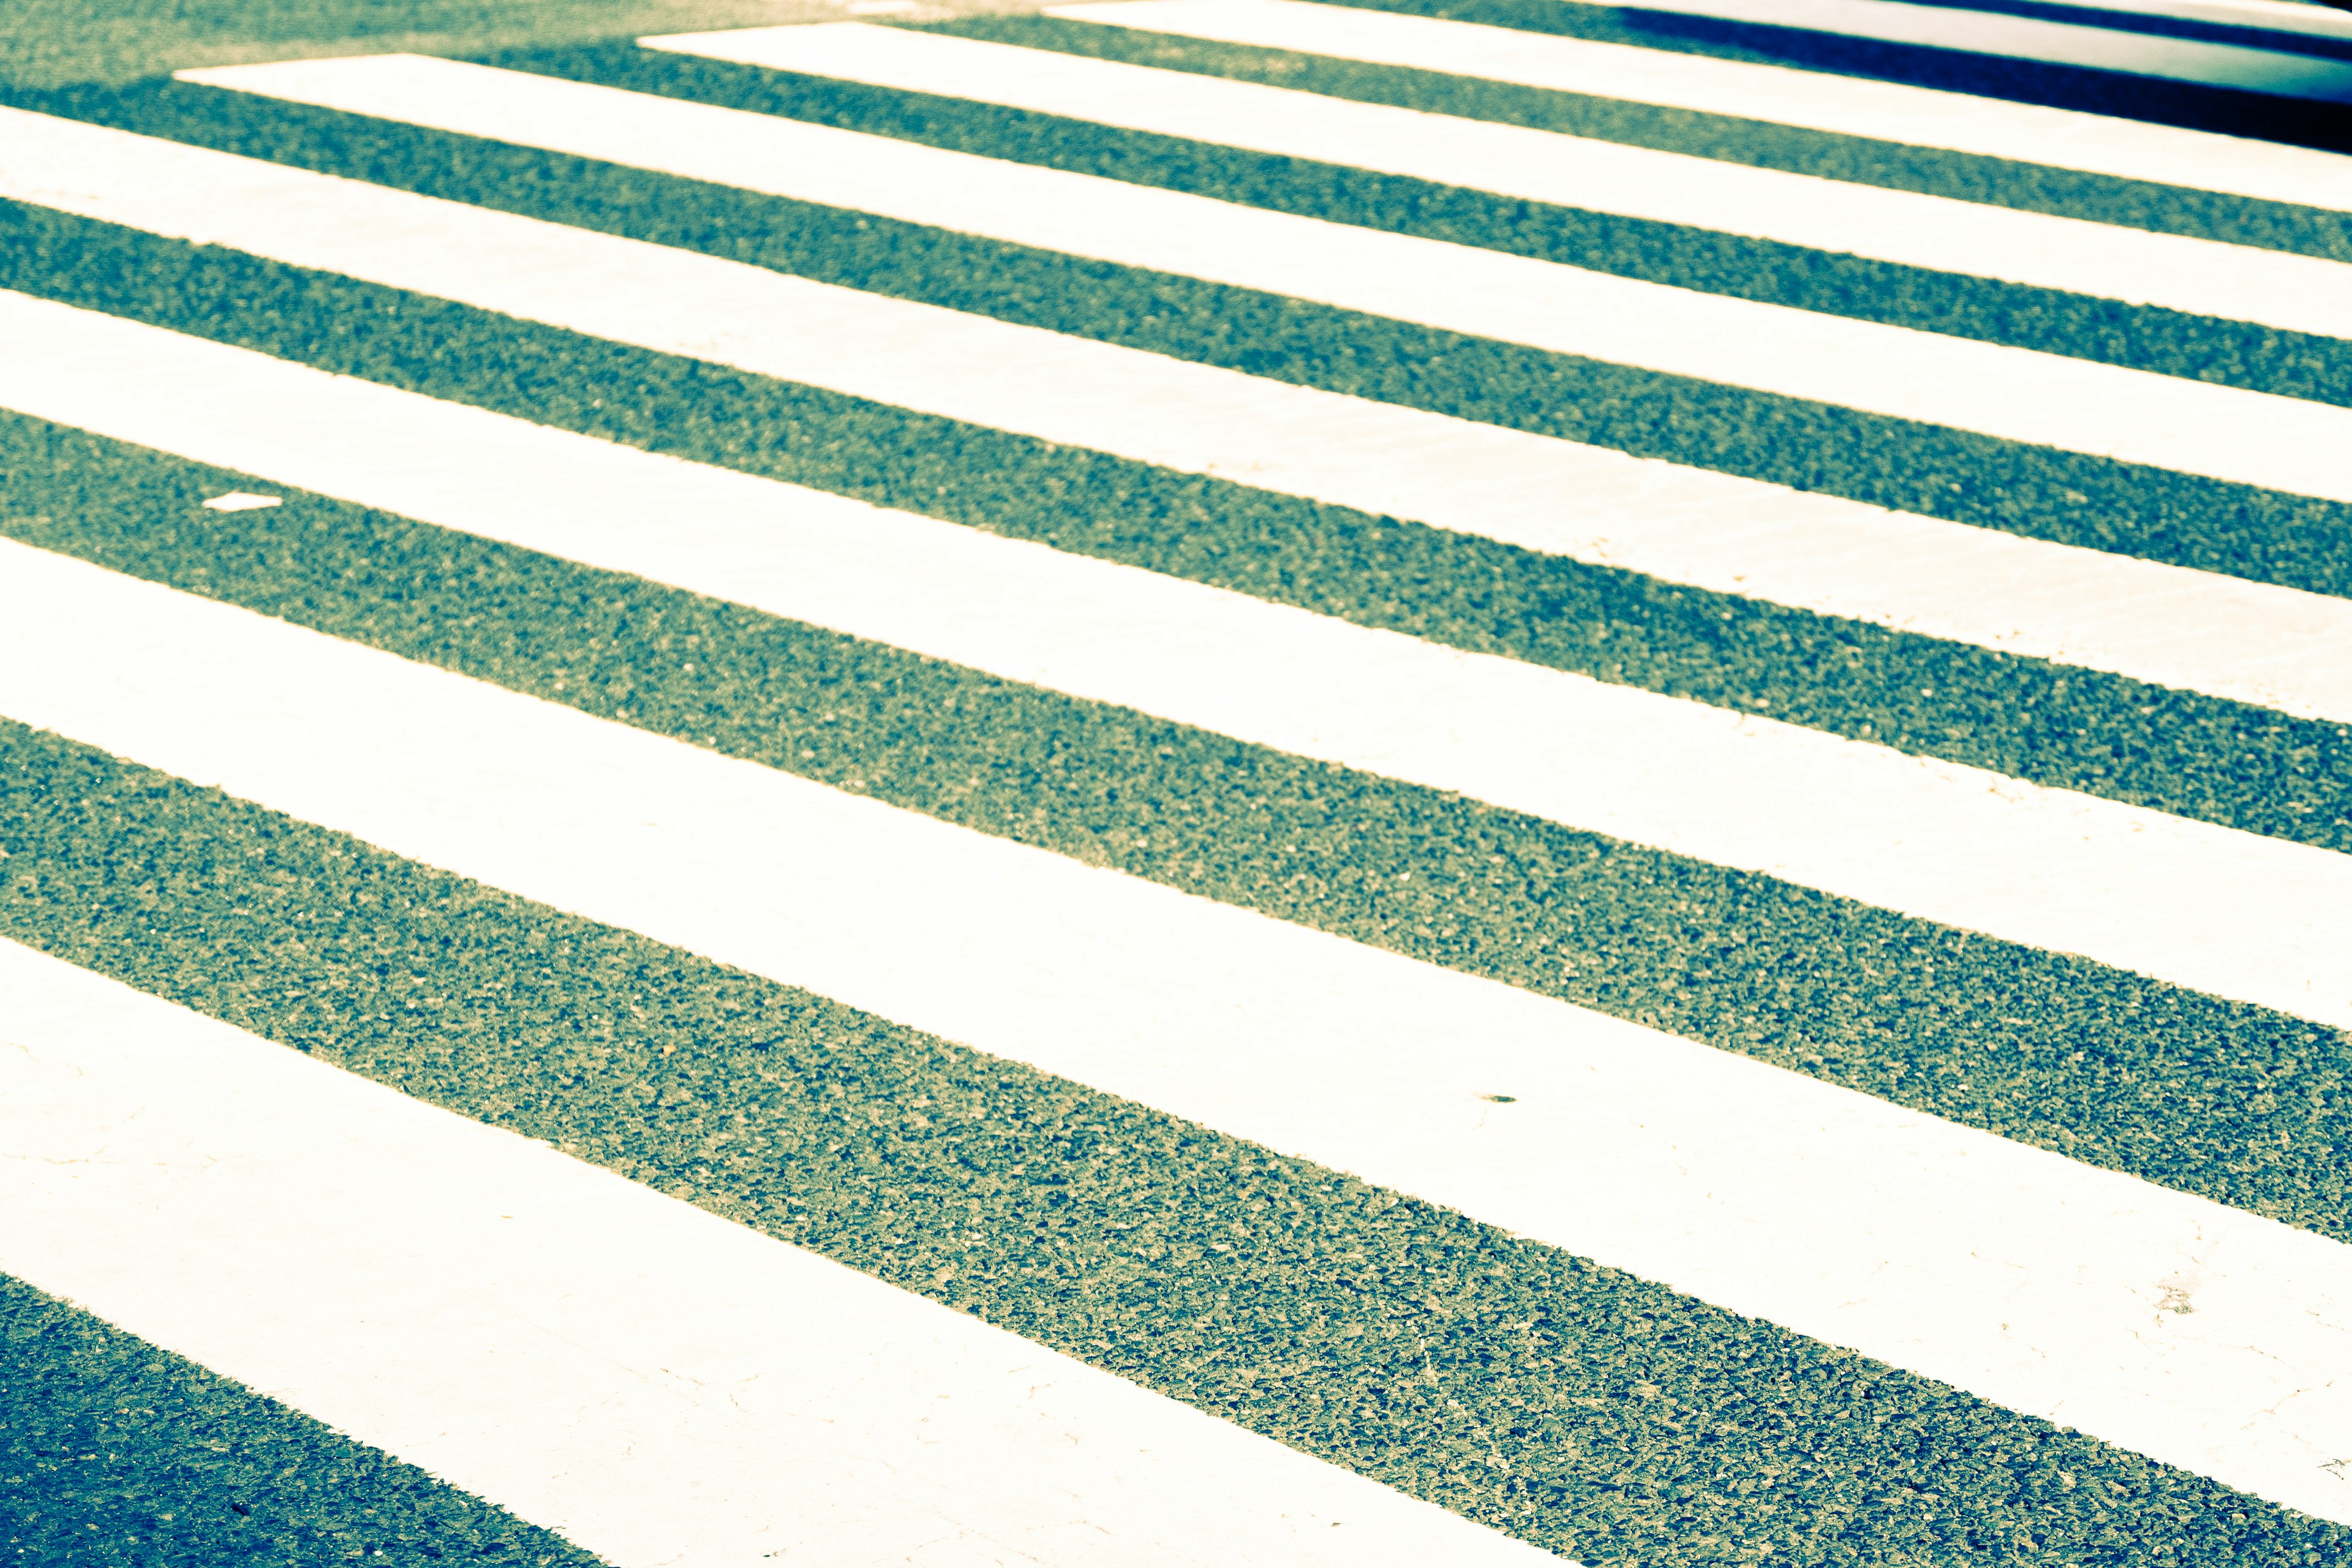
[1179, 782]
[2024, 35]
[1843, 105]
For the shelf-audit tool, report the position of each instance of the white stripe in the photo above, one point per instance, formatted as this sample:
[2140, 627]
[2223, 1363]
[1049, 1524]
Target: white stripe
[1846, 106]
[2243, 640]
[2317, 21]
[2019, 394]
[2026, 38]
[2246, 641]
[2310, 18]
[2010, 1271]
[2301, 293]
[661, 1385]
[2256, 919]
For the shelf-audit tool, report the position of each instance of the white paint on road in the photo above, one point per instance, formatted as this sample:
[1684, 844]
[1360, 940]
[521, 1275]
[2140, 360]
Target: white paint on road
[2203, 276]
[2018, 1275]
[2251, 642]
[661, 1385]
[2278, 73]
[2017, 394]
[2256, 919]
[1782, 95]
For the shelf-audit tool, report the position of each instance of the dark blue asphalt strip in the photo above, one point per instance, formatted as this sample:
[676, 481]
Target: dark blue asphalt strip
[1588, 1412]
[2226, 112]
[2196, 756]
[113, 1450]
[2093, 501]
[2221, 1099]
[2169, 343]
[2110, 72]
[49, 43]
[2251, 32]
[1964, 176]
[1990, 41]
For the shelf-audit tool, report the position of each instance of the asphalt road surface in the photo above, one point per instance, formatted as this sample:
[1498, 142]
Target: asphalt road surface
[1176, 783]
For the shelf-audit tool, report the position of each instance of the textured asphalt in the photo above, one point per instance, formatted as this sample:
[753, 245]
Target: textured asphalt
[1964, 176]
[2212, 28]
[1630, 1424]
[2217, 1097]
[2228, 111]
[112, 1450]
[2068, 497]
[2179, 752]
[2298, 364]
[50, 43]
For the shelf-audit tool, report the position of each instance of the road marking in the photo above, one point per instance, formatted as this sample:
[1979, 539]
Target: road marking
[659, 1384]
[490, 474]
[1720, 531]
[2300, 293]
[2011, 1272]
[2018, 394]
[1845, 106]
[2005, 36]
[2255, 918]
[2291, 16]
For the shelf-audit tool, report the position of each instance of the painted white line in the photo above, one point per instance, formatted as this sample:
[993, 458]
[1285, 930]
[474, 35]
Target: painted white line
[1191, 417]
[2019, 394]
[2055, 43]
[2256, 919]
[658, 1385]
[2296, 17]
[1687, 525]
[2300, 293]
[2250, 642]
[1847, 106]
[2017, 1274]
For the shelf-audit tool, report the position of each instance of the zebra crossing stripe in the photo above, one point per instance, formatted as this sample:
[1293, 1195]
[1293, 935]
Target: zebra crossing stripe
[1815, 552]
[2033, 1045]
[2236, 914]
[2014, 1274]
[2014, 393]
[660, 1385]
[2251, 642]
[1845, 106]
[138, 1442]
[1247, 1043]
[2000, 35]
[1404, 1341]
[2296, 16]
[2300, 293]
